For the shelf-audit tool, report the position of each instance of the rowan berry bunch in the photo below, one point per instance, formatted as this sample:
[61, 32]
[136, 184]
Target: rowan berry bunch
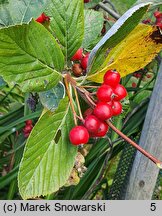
[108, 104]
[80, 62]
[28, 128]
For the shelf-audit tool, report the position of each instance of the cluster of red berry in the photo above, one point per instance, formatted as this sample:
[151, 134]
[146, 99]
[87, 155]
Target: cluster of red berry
[28, 128]
[108, 104]
[82, 59]
[43, 18]
[158, 16]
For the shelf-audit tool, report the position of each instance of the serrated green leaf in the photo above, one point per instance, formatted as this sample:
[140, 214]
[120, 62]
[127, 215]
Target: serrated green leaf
[67, 24]
[93, 26]
[154, 2]
[51, 98]
[18, 12]
[115, 35]
[30, 56]
[49, 156]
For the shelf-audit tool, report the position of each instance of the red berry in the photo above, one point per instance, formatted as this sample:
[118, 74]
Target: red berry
[103, 111]
[159, 25]
[110, 103]
[26, 135]
[112, 78]
[157, 14]
[134, 85]
[158, 20]
[27, 128]
[42, 18]
[120, 92]
[79, 135]
[88, 112]
[28, 122]
[137, 75]
[103, 128]
[86, 1]
[92, 123]
[104, 93]
[77, 70]
[116, 108]
[77, 55]
[84, 61]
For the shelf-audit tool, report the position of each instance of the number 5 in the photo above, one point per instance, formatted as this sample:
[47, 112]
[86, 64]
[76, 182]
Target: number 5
[153, 207]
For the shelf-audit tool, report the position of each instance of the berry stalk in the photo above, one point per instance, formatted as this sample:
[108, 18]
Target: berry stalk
[70, 98]
[148, 155]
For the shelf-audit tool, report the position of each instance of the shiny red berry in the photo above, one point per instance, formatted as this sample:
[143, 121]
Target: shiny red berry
[116, 108]
[157, 14]
[92, 123]
[84, 61]
[28, 122]
[88, 112]
[77, 55]
[103, 111]
[104, 93]
[120, 92]
[42, 18]
[159, 25]
[79, 135]
[27, 128]
[102, 130]
[112, 78]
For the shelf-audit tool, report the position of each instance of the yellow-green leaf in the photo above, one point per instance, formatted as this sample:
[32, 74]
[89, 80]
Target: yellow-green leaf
[132, 53]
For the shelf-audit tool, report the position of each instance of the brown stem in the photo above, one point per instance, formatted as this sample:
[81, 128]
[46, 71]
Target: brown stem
[90, 86]
[148, 155]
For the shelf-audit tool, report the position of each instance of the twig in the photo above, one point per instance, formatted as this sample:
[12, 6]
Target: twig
[109, 10]
[111, 4]
[148, 155]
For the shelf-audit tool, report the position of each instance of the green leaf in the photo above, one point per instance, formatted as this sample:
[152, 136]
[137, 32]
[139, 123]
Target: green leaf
[5, 180]
[123, 5]
[67, 24]
[18, 12]
[2, 82]
[154, 2]
[93, 26]
[115, 35]
[30, 56]
[49, 156]
[51, 98]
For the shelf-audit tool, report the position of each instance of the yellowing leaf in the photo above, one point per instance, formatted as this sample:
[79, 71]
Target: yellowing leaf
[133, 53]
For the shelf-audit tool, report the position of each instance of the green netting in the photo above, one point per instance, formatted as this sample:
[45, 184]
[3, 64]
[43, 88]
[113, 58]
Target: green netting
[121, 177]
